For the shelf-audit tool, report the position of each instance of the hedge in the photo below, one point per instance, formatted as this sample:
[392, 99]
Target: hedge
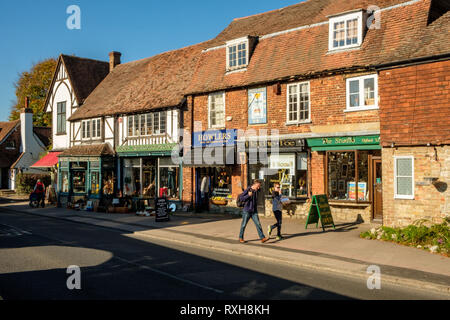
[25, 182]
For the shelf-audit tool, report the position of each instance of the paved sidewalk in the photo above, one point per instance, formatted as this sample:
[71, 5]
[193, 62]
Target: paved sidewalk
[339, 251]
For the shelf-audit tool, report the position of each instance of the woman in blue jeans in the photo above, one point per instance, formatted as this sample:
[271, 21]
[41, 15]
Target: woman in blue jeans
[277, 207]
[250, 198]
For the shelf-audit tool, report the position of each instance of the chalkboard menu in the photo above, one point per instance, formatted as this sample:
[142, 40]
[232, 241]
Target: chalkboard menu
[161, 210]
[320, 210]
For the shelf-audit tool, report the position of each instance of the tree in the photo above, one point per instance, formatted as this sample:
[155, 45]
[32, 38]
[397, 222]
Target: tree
[35, 85]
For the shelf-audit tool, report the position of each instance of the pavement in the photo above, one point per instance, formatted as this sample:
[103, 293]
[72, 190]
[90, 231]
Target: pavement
[339, 251]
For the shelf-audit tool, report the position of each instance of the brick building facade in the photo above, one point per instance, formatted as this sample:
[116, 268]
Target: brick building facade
[415, 109]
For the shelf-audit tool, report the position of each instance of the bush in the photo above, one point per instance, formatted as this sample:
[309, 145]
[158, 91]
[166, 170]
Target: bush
[435, 238]
[25, 182]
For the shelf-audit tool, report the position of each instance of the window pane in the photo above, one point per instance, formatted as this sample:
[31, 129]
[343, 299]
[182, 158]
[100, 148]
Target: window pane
[94, 128]
[369, 92]
[341, 176]
[156, 123]
[304, 101]
[88, 129]
[142, 124]
[352, 32]
[363, 175]
[404, 167]
[163, 121]
[404, 186]
[149, 124]
[136, 125]
[354, 93]
[130, 126]
[98, 128]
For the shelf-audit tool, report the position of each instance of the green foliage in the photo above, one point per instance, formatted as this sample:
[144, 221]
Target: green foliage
[34, 84]
[436, 237]
[26, 181]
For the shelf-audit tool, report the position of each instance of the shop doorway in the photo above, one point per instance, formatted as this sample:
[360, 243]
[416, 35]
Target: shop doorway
[377, 203]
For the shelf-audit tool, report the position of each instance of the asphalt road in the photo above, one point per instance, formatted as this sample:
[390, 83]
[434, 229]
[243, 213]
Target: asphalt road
[35, 253]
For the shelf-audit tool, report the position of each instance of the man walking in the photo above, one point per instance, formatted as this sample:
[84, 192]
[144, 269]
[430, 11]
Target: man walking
[250, 197]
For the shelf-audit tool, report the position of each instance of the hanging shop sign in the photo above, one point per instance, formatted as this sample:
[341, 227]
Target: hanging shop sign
[215, 138]
[283, 161]
[257, 106]
[320, 211]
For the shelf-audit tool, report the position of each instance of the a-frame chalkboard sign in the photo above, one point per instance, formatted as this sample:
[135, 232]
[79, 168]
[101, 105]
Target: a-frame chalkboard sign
[320, 210]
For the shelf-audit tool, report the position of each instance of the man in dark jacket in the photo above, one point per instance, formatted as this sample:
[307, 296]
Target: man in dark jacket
[250, 199]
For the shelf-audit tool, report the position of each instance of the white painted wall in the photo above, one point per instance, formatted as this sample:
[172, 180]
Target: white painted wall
[62, 91]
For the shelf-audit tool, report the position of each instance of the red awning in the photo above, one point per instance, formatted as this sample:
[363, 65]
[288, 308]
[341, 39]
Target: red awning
[47, 161]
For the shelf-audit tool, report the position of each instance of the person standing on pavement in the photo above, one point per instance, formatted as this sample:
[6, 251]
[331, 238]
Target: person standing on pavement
[277, 207]
[249, 197]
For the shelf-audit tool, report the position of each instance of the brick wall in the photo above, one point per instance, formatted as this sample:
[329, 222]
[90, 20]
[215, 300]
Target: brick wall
[328, 102]
[415, 104]
[431, 201]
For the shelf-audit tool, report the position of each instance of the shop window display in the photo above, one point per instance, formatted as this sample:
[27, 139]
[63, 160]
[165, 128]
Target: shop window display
[131, 177]
[343, 184]
[64, 181]
[79, 181]
[149, 177]
[291, 172]
[95, 183]
[168, 182]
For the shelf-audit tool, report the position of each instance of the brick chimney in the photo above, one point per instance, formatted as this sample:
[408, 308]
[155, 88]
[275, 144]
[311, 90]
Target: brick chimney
[26, 125]
[114, 59]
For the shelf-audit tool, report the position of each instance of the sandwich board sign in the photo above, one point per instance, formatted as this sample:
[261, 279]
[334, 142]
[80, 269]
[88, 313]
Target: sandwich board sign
[320, 210]
[161, 210]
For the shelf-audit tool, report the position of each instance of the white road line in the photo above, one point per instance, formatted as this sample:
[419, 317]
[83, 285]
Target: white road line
[170, 275]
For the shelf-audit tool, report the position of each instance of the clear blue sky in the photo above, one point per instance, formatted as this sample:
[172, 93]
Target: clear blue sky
[31, 31]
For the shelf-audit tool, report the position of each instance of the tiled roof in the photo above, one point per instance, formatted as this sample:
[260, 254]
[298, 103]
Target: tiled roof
[297, 15]
[6, 127]
[150, 83]
[88, 150]
[84, 74]
[44, 134]
[404, 34]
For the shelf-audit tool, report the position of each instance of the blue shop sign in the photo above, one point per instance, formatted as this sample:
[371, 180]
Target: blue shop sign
[215, 138]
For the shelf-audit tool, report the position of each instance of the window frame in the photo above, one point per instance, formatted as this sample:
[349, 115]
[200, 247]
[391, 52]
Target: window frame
[345, 18]
[90, 128]
[399, 196]
[235, 43]
[59, 122]
[217, 126]
[298, 121]
[143, 126]
[361, 79]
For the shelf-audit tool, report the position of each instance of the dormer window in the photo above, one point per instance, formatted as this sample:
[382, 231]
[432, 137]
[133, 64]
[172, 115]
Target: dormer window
[346, 31]
[237, 54]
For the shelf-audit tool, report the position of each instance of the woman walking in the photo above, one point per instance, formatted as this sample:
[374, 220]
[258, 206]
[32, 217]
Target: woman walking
[277, 207]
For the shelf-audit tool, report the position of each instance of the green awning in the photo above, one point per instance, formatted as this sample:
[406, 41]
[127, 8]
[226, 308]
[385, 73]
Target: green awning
[345, 143]
[146, 150]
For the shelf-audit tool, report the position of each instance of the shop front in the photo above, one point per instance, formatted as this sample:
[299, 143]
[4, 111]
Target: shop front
[85, 173]
[352, 175]
[213, 158]
[147, 172]
[284, 161]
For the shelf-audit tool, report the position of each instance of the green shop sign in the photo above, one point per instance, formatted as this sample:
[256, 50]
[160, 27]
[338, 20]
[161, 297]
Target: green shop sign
[147, 150]
[345, 143]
